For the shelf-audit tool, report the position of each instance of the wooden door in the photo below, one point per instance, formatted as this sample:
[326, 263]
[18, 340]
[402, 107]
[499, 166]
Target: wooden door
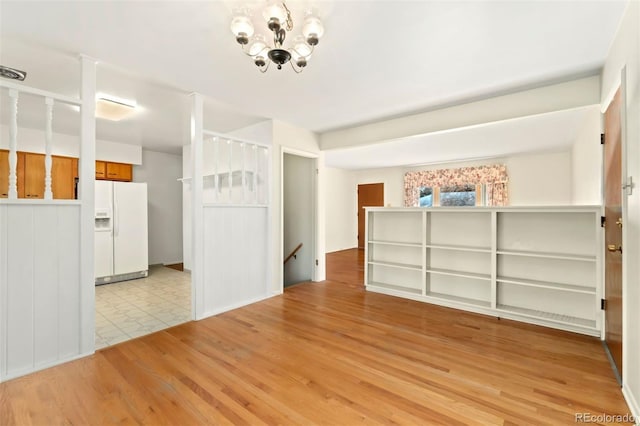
[613, 230]
[64, 171]
[33, 175]
[369, 195]
[4, 173]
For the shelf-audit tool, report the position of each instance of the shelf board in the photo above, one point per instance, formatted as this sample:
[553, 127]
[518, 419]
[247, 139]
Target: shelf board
[396, 265]
[562, 319]
[547, 255]
[454, 273]
[459, 248]
[395, 243]
[546, 284]
[395, 287]
[459, 299]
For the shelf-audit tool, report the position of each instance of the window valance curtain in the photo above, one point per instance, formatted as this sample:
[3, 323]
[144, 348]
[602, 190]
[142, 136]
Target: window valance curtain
[494, 178]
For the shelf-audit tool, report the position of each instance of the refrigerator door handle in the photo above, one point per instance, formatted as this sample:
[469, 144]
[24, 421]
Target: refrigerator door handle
[116, 219]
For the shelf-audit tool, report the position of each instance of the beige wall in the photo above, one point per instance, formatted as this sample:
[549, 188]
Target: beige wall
[586, 161]
[534, 179]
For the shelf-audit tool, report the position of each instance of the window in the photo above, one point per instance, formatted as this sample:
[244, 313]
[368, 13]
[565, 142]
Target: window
[453, 195]
[465, 186]
[426, 197]
[458, 195]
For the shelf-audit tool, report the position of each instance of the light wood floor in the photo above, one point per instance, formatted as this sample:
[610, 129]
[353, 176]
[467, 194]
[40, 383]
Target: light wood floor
[327, 353]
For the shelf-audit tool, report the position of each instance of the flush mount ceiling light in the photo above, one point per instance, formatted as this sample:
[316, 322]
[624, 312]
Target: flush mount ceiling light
[12, 73]
[278, 21]
[114, 109]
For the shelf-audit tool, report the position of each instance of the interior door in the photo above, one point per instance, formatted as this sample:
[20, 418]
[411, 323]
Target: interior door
[369, 195]
[613, 230]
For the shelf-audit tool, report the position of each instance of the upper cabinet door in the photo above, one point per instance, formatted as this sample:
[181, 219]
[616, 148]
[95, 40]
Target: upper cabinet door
[64, 170]
[120, 172]
[4, 173]
[101, 170]
[33, 175]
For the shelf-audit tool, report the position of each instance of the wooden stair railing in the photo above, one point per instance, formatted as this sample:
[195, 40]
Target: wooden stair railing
[293, 253]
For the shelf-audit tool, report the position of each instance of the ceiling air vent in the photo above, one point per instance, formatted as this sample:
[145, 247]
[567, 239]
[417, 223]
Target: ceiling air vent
[12, 73]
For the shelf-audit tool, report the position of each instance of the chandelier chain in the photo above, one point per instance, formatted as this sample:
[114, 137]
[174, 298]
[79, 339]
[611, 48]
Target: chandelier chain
[289, 19]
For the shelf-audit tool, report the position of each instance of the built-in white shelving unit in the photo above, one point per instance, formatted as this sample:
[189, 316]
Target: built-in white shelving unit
[540, 265]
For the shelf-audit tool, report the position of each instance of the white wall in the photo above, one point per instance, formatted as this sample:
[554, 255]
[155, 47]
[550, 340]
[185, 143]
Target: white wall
[161, 172]
[542, 179]
[339, 201]
[625, 50]
[32, 140]
[40, 286]
[261, 132]
[586, 161]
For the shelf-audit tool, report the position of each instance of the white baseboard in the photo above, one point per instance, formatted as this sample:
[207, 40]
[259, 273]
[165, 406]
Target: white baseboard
[632, 402]
[24, 371]
[234, 306]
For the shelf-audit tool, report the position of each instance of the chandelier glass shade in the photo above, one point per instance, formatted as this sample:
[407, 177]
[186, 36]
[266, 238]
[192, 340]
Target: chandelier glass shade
[278, 23]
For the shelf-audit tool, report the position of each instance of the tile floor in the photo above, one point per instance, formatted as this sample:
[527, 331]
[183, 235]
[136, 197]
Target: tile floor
[134, 308]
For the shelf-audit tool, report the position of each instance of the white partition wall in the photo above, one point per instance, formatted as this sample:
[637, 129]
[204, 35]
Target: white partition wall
[230, 230]
[538, 265]
[46, 248]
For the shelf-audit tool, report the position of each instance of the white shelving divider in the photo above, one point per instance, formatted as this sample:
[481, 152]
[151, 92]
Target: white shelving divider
[541, 265]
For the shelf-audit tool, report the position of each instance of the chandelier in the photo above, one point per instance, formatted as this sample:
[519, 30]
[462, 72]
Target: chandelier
[279, 22]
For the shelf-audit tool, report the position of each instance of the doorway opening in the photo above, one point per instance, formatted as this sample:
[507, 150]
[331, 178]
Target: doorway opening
[144, 302]
[299, 218]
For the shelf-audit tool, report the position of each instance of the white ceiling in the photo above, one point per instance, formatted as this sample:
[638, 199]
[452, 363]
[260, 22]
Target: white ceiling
[377, 58]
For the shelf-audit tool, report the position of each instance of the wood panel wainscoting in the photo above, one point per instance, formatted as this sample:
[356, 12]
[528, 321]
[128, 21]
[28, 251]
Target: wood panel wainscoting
[328, 353]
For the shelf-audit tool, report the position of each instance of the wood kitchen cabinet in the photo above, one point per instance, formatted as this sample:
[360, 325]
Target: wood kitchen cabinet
[4, 174]
[120, 172]
[101, 170]
[114, 171]
[31, 171]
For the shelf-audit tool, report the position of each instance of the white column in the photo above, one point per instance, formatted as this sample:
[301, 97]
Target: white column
[230, 142]
[13, 145]
[48, 194]
[197, 210]
[255, 174]
[216, 153]
[244, 179]
[86, 190]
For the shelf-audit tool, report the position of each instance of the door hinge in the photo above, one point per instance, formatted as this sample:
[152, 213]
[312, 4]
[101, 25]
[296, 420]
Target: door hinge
[602, 221]
[601, 138]
[316, 262]
[317, 171]
[629, 185]
[603, 304]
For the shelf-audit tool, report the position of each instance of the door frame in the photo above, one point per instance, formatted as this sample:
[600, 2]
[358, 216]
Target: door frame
[622, 86]
[316, 212]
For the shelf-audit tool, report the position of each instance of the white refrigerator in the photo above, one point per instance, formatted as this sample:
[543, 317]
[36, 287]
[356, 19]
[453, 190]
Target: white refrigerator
[121, 247]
